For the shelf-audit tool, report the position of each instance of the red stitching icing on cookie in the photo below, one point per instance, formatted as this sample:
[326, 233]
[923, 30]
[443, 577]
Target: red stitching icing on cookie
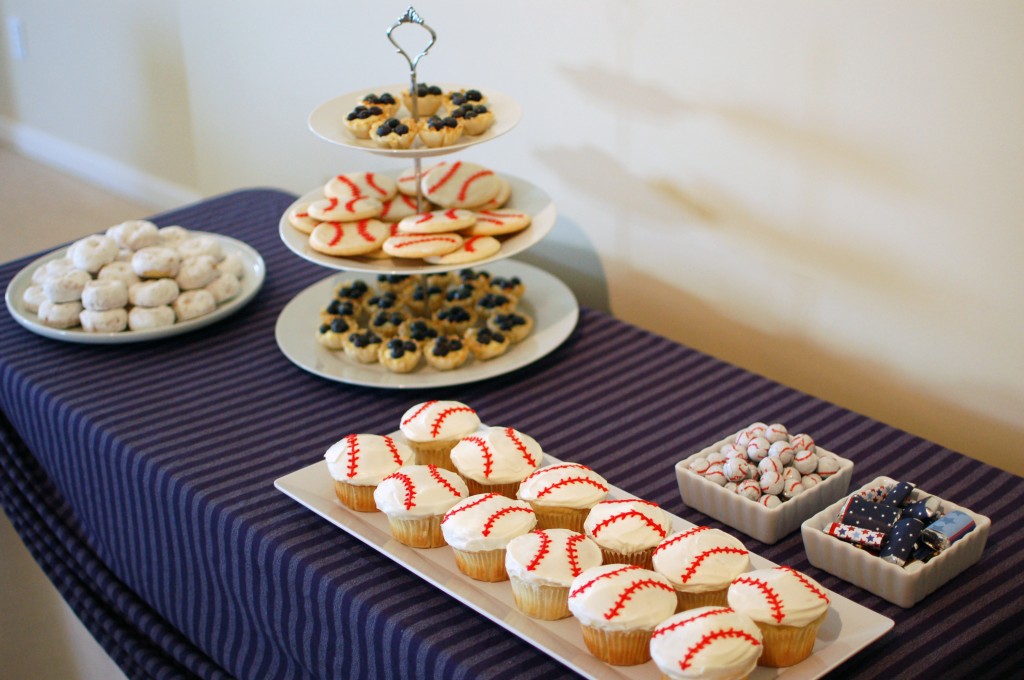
[667, 629]
[628, 593]
[410, 488]
[467, 506]
[489, 524]
[361, 227]
[420, 410]
[486, 451]
[447, 176]
[708, 638]
[657, 528]
[393, 448]
[372, 181]
[338, 233]
[770, 595]
[542, 551]
[468, 245]
[353, 454]
[353, 187]
[417, 241]
[695, 565]
[465, 185]
[442, 481]
[518, 443]
[439, 419]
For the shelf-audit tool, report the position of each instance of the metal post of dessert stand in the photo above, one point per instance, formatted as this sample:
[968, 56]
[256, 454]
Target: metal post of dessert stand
[411, 17]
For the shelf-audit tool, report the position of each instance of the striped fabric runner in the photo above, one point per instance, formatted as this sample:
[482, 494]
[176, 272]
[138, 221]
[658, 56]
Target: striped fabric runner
[141, 478]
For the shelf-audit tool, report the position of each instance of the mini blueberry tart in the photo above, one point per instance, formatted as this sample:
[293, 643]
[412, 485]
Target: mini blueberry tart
[455, 319]
[356, 292]
[424, 300]
[382, 302]
[457, 98]
[332, 334]
[477, 278]
[385, 101]
[399, 355]
[516, 325]
[475, 119]
[496, 303]
[395, 283]
[486, 344]
[428, 99]
[385, 324]
[508, 285]
[338, 308]
[446, 352]
[463, 295]
[420, 331]
[362, 346]
[439, 131]
[394, 133]
[362, 119]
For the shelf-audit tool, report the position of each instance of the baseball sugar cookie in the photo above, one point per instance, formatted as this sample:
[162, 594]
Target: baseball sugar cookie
[361, 185]
[408, 180]
[351, 210]
[459, 185]
[348, 238]
[421, 245]
[299, 218]
[472, 249]
[497, 222]
[437, 221]
[500, 198]
[400, 207]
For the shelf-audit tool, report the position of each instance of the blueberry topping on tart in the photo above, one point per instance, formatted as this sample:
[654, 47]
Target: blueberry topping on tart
[486, 336]
[363, 112]
[392, 278]
[324, 328]
[422, 90]
[472, 274]
[385, 98]
[507, 322]
[492, 300]
[421, 293]
[339, 325]
[392, 125]
[454, 314]
[421, 330]
[463, 292]
[364, 339]
[506, 283]
[444, 344]
[356, 289]
[437, 123]
[383, 301]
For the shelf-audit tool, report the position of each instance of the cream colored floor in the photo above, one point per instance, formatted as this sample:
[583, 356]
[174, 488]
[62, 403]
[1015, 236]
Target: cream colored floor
[43, 208]
[40, 637]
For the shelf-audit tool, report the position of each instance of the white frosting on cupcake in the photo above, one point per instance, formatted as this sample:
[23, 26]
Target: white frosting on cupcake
[365, 459]
[779, 596]
[438, 421]
[486, 522]
[419, 491]
[567, 485]
[497, 455]
[621, 597]
[552, 557]
[701, 559]
[708, 642]
[627, 525]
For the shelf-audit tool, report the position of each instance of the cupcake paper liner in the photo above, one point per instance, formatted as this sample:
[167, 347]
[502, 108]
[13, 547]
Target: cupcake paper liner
[788, 645]
[619, 647]
[359, 498]
[482, 565]
[418, 532]
[548, 603]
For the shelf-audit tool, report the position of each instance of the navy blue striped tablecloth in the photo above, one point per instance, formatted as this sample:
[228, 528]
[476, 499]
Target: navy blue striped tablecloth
[141, 479]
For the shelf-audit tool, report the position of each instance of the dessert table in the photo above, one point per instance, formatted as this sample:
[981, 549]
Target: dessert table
[141, 478]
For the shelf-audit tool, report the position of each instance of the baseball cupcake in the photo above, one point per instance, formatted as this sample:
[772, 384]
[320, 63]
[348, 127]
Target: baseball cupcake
[618, 607]
[359, 462]
[433, 428]
[480, 527]
[496, 460]
[628, 530]
[701, 563]
[415, 499]
[541, 566]
[787, 606]
[562, 495]
[707, 642]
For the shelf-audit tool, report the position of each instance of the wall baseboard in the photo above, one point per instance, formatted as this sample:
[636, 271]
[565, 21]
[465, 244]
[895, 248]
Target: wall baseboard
[95, 168]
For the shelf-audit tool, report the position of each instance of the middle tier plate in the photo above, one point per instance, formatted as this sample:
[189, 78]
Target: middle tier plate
[525, 197]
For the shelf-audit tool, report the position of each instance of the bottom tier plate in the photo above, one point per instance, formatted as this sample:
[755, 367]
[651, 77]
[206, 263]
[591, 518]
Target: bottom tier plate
[848, 628]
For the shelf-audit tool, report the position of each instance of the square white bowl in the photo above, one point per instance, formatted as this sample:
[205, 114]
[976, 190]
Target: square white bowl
[903, 586]
[767, 525]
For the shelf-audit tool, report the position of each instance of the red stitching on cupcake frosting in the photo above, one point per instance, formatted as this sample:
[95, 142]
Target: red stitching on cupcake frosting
[393, 448]
[774, 602]
[520, 446]
[435, 429]
[410, 488]
[467, 506]
[708, 638]
[353, 454]
[573, 553]
[662, 630]
[654, 526]
[545, 470]
[423, 407]
[628, 593]
[584, 586]
[489, 524]
[570, 480]
[807, 584]
[542, 550]
[678, 537]
[442, 481]
[486, 451]
[695, 565]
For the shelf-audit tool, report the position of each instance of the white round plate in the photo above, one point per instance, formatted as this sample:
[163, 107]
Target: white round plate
[255, 272]
[525, 197]
[549, 301]
[327, 121]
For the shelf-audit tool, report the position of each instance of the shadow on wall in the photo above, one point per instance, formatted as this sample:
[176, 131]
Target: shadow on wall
[579, 268]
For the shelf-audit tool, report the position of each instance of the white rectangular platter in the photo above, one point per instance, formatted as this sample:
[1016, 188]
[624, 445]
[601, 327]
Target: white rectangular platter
[848, 628]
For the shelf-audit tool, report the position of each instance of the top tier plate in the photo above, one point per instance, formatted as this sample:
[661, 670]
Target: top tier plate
[327, 121]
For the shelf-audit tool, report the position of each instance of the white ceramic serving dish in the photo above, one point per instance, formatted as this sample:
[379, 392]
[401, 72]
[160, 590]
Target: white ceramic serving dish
[903, 586]
[753, 519]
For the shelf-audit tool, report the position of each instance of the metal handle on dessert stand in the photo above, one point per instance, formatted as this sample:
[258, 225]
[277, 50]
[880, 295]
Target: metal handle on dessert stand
[411, 17]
